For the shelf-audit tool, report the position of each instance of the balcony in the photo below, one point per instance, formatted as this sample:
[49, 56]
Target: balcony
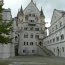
[31, 23]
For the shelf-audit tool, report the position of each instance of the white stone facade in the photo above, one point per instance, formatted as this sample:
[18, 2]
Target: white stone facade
[31, 26]
[7, 50]
[55, 41]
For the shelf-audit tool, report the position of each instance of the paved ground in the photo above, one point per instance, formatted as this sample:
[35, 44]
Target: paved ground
[33, 60]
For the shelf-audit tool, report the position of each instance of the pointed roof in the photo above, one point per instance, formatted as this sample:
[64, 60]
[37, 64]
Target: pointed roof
[31, 0]
[41, 13]
[60, 11]
[21, 10]
[33, 4]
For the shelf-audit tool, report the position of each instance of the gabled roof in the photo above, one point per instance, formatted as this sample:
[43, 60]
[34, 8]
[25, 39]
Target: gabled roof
[34, 5]
[57, 17]
[60, 11]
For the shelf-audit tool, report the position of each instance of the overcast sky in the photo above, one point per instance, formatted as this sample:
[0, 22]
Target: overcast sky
[47, 5]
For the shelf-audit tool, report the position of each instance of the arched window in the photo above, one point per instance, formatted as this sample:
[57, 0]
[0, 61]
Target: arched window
[63, 49]
[37, 36]
[62, 37]
[31, 35]
[26, 35]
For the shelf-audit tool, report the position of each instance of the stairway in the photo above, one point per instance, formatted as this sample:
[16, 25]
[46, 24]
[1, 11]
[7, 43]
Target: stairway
[46, 51]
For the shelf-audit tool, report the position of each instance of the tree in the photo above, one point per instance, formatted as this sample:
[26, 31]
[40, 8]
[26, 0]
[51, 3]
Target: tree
[5, 29]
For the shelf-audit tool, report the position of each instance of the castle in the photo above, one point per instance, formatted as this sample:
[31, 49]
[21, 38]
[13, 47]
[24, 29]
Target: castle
[30, 34]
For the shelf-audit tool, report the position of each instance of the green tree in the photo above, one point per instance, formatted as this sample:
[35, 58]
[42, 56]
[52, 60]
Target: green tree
[5, 29]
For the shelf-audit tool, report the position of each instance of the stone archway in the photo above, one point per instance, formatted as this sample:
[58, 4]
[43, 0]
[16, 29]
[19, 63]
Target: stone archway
[40, 43]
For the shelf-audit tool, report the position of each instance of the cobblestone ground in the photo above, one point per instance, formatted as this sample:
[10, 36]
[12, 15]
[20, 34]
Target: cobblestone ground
[33, 60]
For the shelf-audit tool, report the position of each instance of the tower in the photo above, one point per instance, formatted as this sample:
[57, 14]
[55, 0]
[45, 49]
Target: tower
[30, 28]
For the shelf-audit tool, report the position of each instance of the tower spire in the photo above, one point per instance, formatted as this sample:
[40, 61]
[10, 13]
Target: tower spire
[31, 0]
[41, 12]
[21, 10]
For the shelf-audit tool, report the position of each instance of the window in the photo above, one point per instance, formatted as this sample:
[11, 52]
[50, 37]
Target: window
[24, 43]
[30, 14]
[31, 35]
[24, 51]
[57, 38]
[31, 28]
[53, 39]
[36, 36]
[50, 41]
[31, 43]
[37, 29]
[56, 27]
[60, 24]
[31, 20]
[33, 51]
[25, 28]
[16, 39]
[54, 49]
[35, 43]
[26, 17]
[62, 37]
[27, 43]
[52, 29]
[63, 49]
[33, 15]
[26, 35]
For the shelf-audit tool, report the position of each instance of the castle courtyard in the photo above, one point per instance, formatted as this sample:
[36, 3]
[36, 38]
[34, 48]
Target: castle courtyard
[33, 60]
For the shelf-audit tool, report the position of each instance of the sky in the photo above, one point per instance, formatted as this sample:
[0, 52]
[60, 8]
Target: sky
[47, 5]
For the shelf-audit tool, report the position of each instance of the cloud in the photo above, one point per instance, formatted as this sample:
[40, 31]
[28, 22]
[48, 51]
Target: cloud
[47, 5]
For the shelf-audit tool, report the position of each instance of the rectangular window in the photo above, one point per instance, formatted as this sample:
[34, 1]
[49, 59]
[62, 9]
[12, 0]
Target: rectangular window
[24, 51]
[27, 43]
[36, 29]
[56, 27]
[31, 35]
[50, 41]
[53, 39]
[31, 28]
[24, 43]
[57, 38]
[62, 37]
[33, 51]
[63, 49]
[25, 28]
[52, 29]
[31, 43]
[60, 24]
[29, 14]
[36, 36]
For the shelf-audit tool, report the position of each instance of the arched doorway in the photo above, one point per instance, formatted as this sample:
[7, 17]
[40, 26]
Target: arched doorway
[40, 43]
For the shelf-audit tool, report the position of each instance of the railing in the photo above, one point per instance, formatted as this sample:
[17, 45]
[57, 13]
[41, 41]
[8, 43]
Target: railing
[48, 52]
[31, 23]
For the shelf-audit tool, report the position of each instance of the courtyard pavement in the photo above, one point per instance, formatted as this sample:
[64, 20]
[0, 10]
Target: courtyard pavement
[33, 60]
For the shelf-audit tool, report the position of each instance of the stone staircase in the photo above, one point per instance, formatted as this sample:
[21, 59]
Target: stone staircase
[46, 51]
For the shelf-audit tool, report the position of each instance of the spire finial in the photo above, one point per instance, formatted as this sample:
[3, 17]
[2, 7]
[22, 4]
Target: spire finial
[21, 10]
[31, 0]
[41, 12]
